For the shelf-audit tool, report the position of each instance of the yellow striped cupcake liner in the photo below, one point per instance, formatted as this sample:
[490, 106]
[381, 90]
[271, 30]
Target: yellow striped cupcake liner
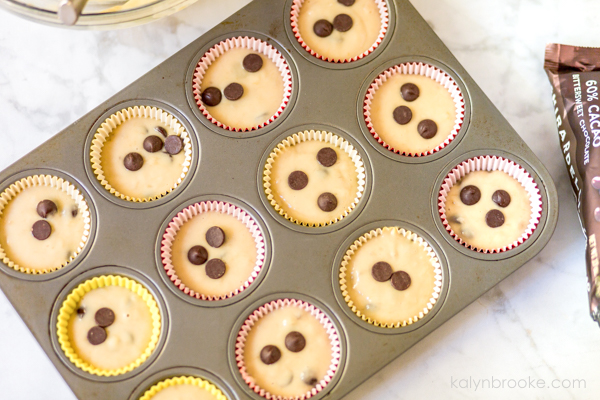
[183, 380]
[326, 138]
[58, 183]
[71, 304]
[433, 259]
[103, 133]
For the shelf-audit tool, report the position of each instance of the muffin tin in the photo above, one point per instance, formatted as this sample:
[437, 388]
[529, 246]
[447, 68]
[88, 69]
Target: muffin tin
[198, 337]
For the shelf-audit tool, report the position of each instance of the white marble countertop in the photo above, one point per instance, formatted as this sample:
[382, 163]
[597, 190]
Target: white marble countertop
[534, 325]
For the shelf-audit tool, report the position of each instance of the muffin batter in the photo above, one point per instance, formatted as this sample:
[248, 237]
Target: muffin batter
[432, 103]
[262, 90]
[238, 252]
[294, 372]
[184, 392]
[306, 204]
[469, 222]
[66, 223]
[340, 45]
[126, 338]
[381, 300]
[159, 171]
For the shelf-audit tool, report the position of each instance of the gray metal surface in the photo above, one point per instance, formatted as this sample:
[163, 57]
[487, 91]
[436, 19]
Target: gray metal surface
[302, 262]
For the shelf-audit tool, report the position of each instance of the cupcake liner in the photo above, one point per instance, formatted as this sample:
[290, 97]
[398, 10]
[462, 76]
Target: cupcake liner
[417, 68]
[112, 122]
[55, 182]
[272, 306]
[211, 206]
[69, 306]
[325, 137]
[383, 14]
[493, 163]
[258, 46]
[435, 262]
[183, 380]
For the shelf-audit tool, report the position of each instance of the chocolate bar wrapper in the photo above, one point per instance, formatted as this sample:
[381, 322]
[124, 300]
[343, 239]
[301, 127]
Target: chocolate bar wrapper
[575, 76]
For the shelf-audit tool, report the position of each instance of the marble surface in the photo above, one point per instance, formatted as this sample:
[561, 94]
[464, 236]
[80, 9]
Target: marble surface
[534, 325]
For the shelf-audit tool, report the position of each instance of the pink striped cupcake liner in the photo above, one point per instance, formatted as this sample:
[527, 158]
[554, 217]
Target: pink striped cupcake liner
[385, 20]
[258, 46]
[270, 307]
[430, 71]
[493, 163]
[196, 209]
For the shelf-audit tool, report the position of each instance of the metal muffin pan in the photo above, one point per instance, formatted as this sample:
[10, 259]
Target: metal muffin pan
[197, 339]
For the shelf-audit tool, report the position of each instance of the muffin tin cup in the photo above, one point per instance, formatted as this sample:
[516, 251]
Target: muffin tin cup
[269, 307]
[197, 209]
[54, 182]
[326, 138]
[385, 24]
[183, 380]
[493, 163]
[422, 69]
[433, 259]
[69, 306]
[111, 123]
[253, 44]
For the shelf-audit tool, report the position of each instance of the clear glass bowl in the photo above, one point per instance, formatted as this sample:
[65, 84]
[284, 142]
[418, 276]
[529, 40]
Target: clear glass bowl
[98, 14]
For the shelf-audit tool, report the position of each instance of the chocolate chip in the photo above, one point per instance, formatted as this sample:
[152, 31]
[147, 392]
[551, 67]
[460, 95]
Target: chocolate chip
[323, 28]
[494, 218]
[46, 207]
[402, 115]
[162, 130]
[427, 128]
[197, 255]
[233, 91]
[104, 317]
[96, 335]
[470, 195]
[252, 62]
[312, 381]
[41, 230]
[409, 91]
[270, 354]
[347, 3]
[342, 22]
[298, 180]
[295, 342]
[215, 237]
[381, 271]
[133, 161]
[215, 268]
[173, 145]
[80, 312]
[327, 202]
[74, 211]
[501, 197]
[211, 96]
[153, 143]
[327, 156]
[400, 280]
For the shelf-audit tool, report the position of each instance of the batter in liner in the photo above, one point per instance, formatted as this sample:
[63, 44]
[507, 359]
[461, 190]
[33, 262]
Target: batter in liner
[377, 279]
[184, 392]
[348, 38]
[287, 352]
[488, 210]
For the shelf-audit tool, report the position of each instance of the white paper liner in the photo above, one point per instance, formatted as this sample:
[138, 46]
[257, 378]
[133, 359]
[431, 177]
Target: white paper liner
[112, 122]
[258, 46]
[383, 14]
[433, 259]
[272, 306]
[55, 182]
[434, 73]
[211, 206]
[325, 137]
[493, 163]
